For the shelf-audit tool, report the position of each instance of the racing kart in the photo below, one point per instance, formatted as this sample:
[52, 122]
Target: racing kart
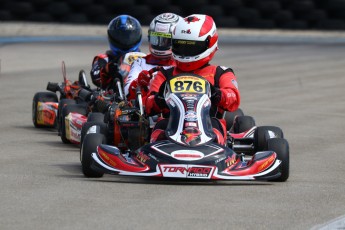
[75, 115]
[46, 105]
[189, 149]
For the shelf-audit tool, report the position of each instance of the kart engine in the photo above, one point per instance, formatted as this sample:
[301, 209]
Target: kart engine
[128, 130]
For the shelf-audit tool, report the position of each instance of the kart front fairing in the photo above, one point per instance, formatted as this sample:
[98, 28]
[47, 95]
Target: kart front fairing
[169, 159]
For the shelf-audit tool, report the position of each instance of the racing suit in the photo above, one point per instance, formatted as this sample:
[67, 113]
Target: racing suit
[107, 67]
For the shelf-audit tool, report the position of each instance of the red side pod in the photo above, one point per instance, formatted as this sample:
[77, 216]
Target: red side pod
[253, 167]
[118, 162]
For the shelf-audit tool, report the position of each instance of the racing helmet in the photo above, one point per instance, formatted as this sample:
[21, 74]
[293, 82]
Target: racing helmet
[194, 42]
[159, 34]
[124, 34]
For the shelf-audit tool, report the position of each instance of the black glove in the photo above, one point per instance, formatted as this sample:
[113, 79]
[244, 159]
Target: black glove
[216, 95]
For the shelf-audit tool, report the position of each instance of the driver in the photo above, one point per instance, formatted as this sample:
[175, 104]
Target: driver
[194, 43]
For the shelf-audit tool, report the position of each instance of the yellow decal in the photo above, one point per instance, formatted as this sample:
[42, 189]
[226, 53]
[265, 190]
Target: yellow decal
[188, 84]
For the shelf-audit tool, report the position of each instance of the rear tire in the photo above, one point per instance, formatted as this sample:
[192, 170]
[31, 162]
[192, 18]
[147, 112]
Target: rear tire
[243, 124]
[81, 109]
[281, 147]
[89, 146]
[95, 116]
[230, 117]
[42, 97]
[62, 104]
[263, 133]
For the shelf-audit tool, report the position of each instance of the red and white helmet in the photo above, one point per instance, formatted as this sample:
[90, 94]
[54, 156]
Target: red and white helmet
[159, 34]
[194, 41]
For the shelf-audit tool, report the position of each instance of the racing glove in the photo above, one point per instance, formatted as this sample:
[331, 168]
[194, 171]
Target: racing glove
[144, 78]
[216, 95]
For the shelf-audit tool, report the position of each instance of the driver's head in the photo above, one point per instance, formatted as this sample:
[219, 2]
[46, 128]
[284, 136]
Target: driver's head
[159, 34]
[124, 34]
[194, 42]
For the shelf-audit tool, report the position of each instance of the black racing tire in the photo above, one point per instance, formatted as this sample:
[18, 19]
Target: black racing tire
[243, 124]
[42, 97]
[62, 104]
[281, 147]
[81, 109]
[262, 135]
[95, 116]
[103, 129]
[89, 146]
[230, 117]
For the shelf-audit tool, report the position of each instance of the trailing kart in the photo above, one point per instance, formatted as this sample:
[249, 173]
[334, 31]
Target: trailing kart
[46, 106]
[74, 116]
[189, 150]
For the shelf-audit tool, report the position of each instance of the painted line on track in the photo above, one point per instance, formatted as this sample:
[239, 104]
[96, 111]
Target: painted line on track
[338, 223]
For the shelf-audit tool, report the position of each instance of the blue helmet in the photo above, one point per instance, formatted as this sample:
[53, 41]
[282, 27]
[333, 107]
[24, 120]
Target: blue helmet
[124, 34]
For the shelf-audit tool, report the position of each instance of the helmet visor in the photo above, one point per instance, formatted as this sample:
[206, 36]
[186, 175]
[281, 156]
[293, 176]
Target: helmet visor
[124, 40]
[160, 41]
[188, 47]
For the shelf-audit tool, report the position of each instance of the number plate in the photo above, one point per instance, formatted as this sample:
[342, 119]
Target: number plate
[188, 84]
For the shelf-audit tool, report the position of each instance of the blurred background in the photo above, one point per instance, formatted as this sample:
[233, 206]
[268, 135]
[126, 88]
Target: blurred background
[258, 14]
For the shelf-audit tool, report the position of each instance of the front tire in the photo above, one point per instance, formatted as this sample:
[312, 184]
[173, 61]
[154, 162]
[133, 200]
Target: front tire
[89, 146]
[101, 128]
[281, 147]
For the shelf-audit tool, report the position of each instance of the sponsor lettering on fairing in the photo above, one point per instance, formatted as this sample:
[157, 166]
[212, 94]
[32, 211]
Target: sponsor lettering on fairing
[187, 171]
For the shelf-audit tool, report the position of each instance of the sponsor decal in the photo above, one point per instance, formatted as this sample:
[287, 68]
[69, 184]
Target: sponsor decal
[187, 154]
[230, 160]
[190, 116]
[219, 160]
[186, 171]
[106, 158]
[162, 27]
[186, 32]
[92, 129]
[267, 163]
[142, 157]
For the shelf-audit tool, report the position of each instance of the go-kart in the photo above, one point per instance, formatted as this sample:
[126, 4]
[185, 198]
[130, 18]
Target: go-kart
[189, 149]
[74, 116]
[45, 105]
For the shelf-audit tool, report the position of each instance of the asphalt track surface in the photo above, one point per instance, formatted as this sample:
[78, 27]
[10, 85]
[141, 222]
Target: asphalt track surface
[298, 86]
